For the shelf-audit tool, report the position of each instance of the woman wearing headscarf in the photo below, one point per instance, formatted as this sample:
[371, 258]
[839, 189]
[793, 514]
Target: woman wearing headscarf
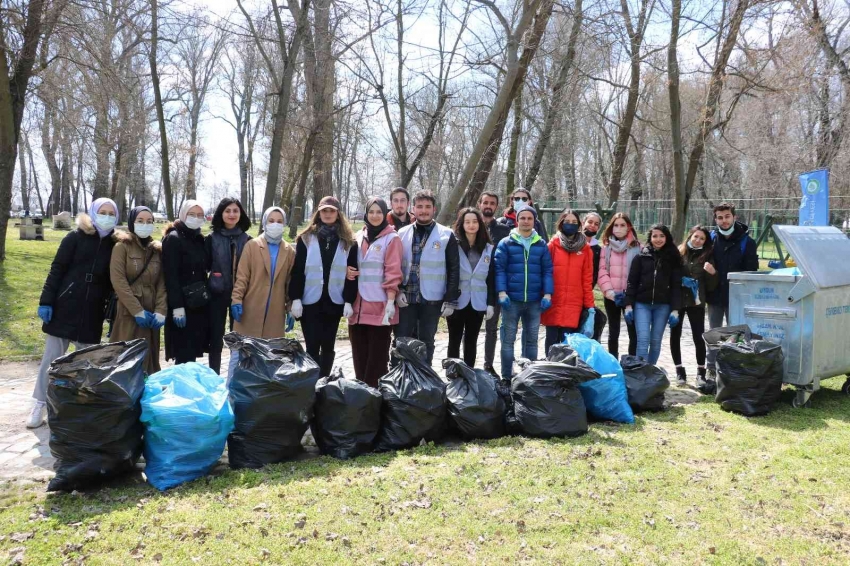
[259, 293]
[184, 261]
[379, 266]
[75, 293]
[224, 247]
[323, 287]
[137, 277]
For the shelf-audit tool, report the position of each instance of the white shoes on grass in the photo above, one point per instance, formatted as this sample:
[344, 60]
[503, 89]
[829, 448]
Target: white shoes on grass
[36, 418]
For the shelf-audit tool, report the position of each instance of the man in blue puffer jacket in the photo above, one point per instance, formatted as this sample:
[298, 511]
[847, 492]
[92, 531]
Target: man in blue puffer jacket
[524, 283]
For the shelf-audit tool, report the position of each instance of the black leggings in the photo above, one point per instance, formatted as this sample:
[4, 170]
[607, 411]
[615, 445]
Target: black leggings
[614, 313]
[319, 338]
[465, 325]
[696, 316]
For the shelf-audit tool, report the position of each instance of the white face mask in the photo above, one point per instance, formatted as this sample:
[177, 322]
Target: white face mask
[143, 230]
[621, 232]
[194, 223]
[274, 230]
[105, 221]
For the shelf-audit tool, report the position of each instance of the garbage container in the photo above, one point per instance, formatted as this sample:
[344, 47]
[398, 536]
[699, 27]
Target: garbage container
[807, 314]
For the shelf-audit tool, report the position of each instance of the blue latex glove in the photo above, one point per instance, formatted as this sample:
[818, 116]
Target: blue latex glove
[143, 321]
[157, 321]
[588, 326]
[630, 317]
[290, 322]
[236, 312]
[180, 321]
[505, 301]
[545, 303]
[693, 285]
[620, 299]
[673, 320]
[45, 313]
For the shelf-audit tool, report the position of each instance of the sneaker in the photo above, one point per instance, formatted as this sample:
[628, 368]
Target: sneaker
[707, 385]
[36, 418]
[681, 376]
[491, 370]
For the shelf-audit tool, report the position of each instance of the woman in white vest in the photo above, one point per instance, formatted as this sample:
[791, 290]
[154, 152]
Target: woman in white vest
[370, 327]
[477, 284]
[322, 288]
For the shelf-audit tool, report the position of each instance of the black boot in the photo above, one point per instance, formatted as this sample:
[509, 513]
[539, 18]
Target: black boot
[681, 376]
[706, 385]
[491, 370]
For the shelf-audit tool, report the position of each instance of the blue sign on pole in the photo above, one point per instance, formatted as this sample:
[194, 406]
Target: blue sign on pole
[814, 208]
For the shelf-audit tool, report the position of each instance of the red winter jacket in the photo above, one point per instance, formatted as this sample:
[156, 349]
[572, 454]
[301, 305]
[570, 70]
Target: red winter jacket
[573, 274]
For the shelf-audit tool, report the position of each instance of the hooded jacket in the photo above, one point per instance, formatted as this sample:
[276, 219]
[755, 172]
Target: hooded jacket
[523, 276]
[573, 285]
[654, 281]
[509, 220]
[614, 271]
[728, 258]
[78, 284]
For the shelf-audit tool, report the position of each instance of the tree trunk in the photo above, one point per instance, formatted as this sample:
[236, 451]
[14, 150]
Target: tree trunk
[48, 150]
[22, 166]
[191, 187]
[681, 199]
[516, 131]
[296, 216]
[323, 102]
[165, 171]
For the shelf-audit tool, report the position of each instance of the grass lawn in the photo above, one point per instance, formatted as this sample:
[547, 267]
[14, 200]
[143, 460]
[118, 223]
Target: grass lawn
[692, 485]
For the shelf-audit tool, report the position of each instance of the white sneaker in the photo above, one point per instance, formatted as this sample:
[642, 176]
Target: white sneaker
[36, 418]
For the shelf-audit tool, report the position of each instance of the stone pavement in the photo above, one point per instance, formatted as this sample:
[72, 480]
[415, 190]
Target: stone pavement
[25, 454]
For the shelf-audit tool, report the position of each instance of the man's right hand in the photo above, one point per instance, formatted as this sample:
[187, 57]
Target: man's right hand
[504, 300]
[401, 299]
[45, 313]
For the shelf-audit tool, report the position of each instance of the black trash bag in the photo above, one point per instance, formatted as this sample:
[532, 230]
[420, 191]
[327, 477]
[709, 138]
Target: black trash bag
[562, 353]
[473, 401]
[414, 405]
[645, 383]
[547, 401]
[714, 338]
[503, 388]
[93, 409]
[749, 376]
[347, 416]
[272, 391]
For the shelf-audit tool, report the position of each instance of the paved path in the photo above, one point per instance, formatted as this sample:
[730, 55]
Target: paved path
[25, 454]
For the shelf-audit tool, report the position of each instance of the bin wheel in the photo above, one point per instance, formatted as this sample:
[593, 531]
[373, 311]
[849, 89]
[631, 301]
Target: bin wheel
[846, 387]
[802, 399]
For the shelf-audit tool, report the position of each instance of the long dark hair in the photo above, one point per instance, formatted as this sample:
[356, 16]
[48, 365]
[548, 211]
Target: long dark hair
[563, 218]
[482, 238]
[707, 247]
[609, 230]
[669, 253]
[218, 218]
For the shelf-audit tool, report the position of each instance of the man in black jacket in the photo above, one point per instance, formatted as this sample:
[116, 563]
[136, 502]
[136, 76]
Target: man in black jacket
[488, 202]
[734, 250]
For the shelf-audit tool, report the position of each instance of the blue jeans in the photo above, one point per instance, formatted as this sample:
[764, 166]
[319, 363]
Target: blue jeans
[650, 321]
[529, 313]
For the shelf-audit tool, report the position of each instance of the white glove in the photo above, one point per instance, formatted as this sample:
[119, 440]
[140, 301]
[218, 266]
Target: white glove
[609, 295]
[178, 312]
[389, 311]
[401, 299]
[447, 310]
[490, 312]
[297, 308]
[347, 310]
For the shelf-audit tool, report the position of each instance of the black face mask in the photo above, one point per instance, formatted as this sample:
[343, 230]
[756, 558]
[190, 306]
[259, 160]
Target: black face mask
[590, 233]
[569, 229]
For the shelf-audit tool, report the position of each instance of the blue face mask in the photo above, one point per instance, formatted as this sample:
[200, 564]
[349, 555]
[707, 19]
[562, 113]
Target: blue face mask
[569, 229]
[105, 221]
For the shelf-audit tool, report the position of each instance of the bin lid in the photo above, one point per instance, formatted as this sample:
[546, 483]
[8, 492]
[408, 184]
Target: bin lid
[821, 252]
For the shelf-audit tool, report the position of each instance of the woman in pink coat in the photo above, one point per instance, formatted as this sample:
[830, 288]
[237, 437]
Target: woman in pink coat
[619, 247]
[379, 273]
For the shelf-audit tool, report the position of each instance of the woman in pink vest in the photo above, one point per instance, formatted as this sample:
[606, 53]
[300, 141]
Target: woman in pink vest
[619, 247]
[379, 275]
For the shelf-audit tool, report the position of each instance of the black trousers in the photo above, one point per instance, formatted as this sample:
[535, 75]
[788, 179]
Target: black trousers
[696, 316]
[464, 324]
[219, 310]
[319, 338]
[614, 313]
[420, 321]
[556, 335]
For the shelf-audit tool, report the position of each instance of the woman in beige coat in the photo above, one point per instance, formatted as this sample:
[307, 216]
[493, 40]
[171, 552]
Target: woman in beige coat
[141, 306]
[258, 301]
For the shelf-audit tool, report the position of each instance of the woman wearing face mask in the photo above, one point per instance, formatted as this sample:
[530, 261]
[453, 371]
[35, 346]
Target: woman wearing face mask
[654, 292]
[259, 294]
[224, 246]
[136, 275]
[75, 293]
[572, 261]
[477, 285]
[699, 277]
[620, 247]
[324, 284]
[370, 327]
[185, 264]
[520, 198]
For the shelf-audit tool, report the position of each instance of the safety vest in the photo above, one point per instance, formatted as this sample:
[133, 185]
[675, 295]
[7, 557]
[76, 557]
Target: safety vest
[314, 273]
[473, 282]
[432, 262]
[371, 266]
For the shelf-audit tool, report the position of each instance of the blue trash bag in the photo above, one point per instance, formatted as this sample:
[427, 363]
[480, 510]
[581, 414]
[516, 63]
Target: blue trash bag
[607, 399]
[187, 417]
[594, 354]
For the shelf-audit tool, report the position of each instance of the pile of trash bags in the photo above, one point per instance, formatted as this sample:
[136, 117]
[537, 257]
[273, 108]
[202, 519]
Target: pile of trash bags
[272, 392]
[605, 396]
[93, 412]
[749, 370]
[187, 417]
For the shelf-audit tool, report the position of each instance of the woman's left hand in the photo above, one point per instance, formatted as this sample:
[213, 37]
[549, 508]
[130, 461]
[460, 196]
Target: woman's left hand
[352, 273]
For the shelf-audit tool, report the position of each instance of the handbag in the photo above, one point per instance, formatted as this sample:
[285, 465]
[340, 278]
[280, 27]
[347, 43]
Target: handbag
[196, 295]
[111, 309]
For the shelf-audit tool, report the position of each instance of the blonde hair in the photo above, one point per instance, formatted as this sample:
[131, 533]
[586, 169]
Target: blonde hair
[346, 236]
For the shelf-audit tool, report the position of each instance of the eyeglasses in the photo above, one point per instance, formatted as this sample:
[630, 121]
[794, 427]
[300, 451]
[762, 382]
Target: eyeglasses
[518, 199]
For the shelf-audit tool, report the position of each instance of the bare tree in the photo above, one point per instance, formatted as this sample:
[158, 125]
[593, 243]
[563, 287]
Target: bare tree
[160, 110]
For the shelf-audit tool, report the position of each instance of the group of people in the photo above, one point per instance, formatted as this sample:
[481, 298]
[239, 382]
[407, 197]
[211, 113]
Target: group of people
[397, 276]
